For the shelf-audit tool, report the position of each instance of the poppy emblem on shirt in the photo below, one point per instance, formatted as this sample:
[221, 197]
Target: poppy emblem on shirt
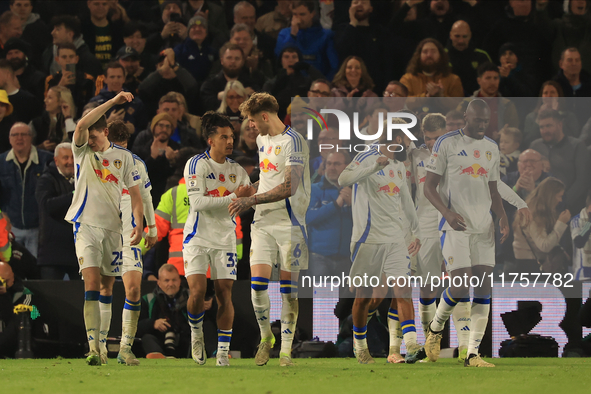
[476, 154]
[392, 174]
[222, 178]
[105, 163]
[117, 163]
[277, 150]
[269, 150]
[232, 178]
[488, 155]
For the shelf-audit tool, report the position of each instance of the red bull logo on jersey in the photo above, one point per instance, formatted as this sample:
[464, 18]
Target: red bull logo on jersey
[390, 189]
[106, 176]
[219, 192]
[267, 166]
[422, 180]
[475, 170]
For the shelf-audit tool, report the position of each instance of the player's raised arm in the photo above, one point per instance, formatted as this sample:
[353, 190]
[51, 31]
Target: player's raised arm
[81, 132]
[359, 169]
[138, 212]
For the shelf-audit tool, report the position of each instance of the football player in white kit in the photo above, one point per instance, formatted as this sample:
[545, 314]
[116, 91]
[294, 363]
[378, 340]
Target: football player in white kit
[279, 228]
[465, 165]
[213, 181]
[378, 245]
[102, 170]
[132, 268]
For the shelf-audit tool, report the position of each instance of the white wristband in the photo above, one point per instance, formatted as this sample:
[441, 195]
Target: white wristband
[152, 231]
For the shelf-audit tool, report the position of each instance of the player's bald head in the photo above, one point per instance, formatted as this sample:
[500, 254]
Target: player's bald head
[461, 27]
[478, 108]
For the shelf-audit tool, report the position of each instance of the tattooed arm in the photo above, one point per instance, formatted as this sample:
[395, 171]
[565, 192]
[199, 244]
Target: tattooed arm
[293, 175]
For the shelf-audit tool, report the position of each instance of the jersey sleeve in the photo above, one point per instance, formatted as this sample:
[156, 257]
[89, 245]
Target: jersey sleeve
[438, 161]
[197, 189]
[131, 175]
[79, 151]
[295, 151]
[510, 196]
[360, 168]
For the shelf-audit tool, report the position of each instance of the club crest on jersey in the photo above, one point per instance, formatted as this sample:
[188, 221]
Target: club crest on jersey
[392, 174]
[105, 163]
[269, 150]
[277, 150]
[267, 166]
[390, 189]
[222, 178]
[475, 170]
[488, 155]
[400, 174]
[450, 260]
[81, 260]
[476, 154]
[117, 163]
[232, 178]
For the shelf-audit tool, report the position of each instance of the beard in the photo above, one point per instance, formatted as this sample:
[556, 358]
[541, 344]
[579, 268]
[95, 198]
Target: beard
[402, 155]
[17, 63]
[428, 68]
[361, 16]
[232, 73]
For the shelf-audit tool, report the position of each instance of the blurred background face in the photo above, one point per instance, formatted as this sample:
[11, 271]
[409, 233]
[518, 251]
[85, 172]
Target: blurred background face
[578, 7]
[60, 34]
[64, 160]
[52, 102]
[550, 97]
[173, 109]
[363, 9]
[507, 144]
[551, 130]
[16, 58]
[3, 109]
[198, 33]
[334, 166]
[509, 59]
[66, 56]
[98, 8]
[222, 141]
[115, 79]
[454, 124]
[233, 100]
[489, 83]
[130, 64]
[319, 90]
[136, 41]
[289, 59]
[571, 63]
[353, 72]
[22, 8]
[169, 282]
[246, 15]
[243, 40]
[232, 63]
[431, 137]
[460, 36]
[162, 131]
[530, 162]
[558, 198]
[306, 17]
[429, 57]
[13, 29]
[393, 90]
[439, 7]
[520, 7]
[328, 137]
[249, 134]
[171, 8]
[20, 138]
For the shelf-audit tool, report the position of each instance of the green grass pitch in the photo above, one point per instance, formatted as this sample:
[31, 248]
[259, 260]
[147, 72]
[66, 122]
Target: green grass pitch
[309, 376]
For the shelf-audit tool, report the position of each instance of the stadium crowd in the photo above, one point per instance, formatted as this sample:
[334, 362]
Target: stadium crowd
[60, 59]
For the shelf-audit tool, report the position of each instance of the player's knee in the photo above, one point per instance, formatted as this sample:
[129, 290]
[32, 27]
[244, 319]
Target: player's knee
[133, 292]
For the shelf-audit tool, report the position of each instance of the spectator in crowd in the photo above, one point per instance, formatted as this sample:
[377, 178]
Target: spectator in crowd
[259, 67]
[10, 27]
[454, 120]
[429, 75]
[375, 113]
[57, 255]
[234, 95]
[319, 90]
[551, 97]
[183, 134]
[130, 59]
[131, 113]
[273, 22]
[574, 80]
[6, 121]
[135, 36]
[530, 172]
[569, 159]
[244, 12]
[214, 14]
[34, 30]
[67, 29]
[509, 142]
[233, 69]
[17, 52]
[26, 106]
[12, 293]
[353, 80]
[103, 36]
[329, 220]
[78, 82]
[530, 36]
[196, 53]
[580, 229]
[373, 43]
[189, 120]
[572, 31]
[533, 241]
[293, 78]
[515, 82]
[248, 141]
[171, 29]
[168, 77]
[163, 324]
[20, 168]
[464, 57]
[502, 110]
[395, 89]
[50, 128]
[155, 147]
[310, 38]
[328, 142]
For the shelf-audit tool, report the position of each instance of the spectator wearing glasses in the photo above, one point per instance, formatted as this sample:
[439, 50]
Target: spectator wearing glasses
[319, 91]
[395, 89]
[234, 95]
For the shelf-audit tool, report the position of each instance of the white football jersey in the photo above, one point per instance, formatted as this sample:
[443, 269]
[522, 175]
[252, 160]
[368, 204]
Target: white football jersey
[210, 187]
[276, 153]
[379, 196]
[426, 212]
[466, 165]
[582, 256]
[100, 178]
[129, 222]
